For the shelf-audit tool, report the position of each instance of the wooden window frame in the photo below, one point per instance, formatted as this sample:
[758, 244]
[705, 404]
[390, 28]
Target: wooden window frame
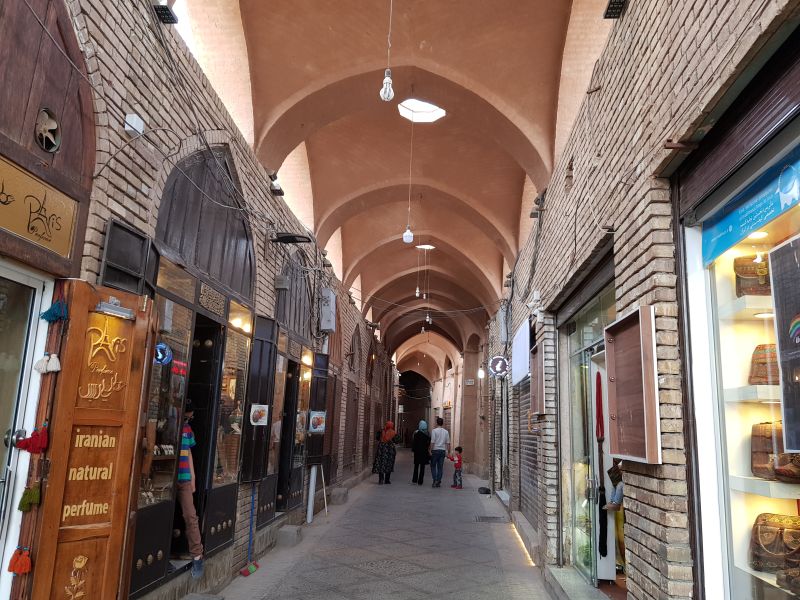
[537, 380]
[643, 321]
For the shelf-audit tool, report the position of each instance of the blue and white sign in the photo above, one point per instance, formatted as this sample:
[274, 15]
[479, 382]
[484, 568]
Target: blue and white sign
[163, 354]
[771, 194]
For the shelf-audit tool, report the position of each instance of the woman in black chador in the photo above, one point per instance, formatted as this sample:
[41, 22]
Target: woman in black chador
[420, 443]
[385, 454]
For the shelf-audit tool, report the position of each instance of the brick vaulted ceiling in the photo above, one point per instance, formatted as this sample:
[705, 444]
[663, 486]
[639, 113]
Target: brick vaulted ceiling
[497, 68]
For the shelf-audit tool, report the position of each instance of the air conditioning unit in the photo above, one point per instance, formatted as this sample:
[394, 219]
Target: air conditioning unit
[327, 311]
[281, 282]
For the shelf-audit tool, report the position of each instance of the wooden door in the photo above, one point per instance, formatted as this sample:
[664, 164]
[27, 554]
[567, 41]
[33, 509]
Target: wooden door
[94, 435]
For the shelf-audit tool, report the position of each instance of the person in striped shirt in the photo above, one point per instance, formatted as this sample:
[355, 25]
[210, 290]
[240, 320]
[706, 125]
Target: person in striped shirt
[186, 489]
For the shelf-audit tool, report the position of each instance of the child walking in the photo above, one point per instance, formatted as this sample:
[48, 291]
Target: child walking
[457, 476]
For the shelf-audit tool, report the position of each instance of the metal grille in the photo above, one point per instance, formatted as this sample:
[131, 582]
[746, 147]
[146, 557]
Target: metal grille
[350, 428]
[529, 457]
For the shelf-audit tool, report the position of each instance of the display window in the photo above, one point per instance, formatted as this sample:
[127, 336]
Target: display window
[586, 522]
[750, 265]
[279, 397]
[232, 401]
[165, 402]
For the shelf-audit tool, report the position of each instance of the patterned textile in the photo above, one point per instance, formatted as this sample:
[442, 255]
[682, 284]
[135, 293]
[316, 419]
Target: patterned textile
[384, 458]
[457, 478]
[187, 442]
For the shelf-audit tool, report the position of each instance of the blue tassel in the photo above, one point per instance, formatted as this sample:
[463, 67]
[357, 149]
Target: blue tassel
[57, 312]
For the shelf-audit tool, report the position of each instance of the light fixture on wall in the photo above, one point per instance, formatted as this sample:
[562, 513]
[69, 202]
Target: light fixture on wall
[614, 9]
[481, 372]
[165, 14]
[387, 93]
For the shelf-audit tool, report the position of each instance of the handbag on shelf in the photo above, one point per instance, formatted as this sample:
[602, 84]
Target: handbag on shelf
[768, 460]
[764, 366]
[752, 278]
[775, 543]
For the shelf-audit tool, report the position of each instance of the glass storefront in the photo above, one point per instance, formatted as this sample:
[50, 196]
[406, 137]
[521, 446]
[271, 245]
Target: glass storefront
[584, 333]
[232, 403]
[751, 267]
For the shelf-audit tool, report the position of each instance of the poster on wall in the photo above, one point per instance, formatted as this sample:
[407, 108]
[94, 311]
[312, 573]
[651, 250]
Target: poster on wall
[316, 421]
[785, 274]
[259, 414]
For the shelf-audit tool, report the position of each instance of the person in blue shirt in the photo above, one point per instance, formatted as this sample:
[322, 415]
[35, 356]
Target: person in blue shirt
[186, 489]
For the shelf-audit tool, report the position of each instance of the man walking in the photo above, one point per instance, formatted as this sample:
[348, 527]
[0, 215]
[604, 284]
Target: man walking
[439, 448]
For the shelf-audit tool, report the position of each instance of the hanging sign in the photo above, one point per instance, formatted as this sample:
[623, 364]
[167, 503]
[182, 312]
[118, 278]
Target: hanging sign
[498, 366]
[316, 421]
[35, 211]
[163, 354]
[771, 194]
[469, 382]
[259, 414]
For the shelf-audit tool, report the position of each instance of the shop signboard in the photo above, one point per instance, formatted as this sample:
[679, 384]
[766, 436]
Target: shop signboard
[35, 211]
[94, 428]
[771, 194]
[784, 262]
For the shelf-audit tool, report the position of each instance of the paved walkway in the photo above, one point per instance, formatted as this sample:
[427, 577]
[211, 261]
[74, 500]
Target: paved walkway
[400, 542]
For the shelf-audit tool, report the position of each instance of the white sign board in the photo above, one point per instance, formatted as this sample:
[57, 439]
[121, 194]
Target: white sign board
[520, 353]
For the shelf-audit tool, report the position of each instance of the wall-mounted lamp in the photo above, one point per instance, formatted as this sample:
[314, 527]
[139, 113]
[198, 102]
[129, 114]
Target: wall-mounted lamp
[165, 14]
[481, 373]
[290, 238]
[614, 9]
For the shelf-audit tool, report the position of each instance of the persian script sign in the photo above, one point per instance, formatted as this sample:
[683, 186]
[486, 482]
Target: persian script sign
[106, 369]
[35, 211]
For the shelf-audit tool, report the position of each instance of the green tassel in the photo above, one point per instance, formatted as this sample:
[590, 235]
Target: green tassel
[36, 494]
[25, 501]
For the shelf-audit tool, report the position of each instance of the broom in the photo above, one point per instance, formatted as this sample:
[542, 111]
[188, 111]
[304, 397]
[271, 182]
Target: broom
[251, 566]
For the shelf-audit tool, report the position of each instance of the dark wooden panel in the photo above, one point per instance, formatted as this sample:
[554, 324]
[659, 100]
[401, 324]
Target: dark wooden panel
[220, 517]
[267, 490]
[153, 538]
[350, 429]
[768, 103]
[634, 427]
[205, 228]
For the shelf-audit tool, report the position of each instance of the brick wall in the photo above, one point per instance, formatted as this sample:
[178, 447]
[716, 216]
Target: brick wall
[664, 68]
[137, 65]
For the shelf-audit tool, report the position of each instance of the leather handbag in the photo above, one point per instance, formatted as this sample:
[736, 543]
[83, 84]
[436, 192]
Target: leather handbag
[752, 278]
[766, 442]
[775, 542]
[764, 366]
[767, 457]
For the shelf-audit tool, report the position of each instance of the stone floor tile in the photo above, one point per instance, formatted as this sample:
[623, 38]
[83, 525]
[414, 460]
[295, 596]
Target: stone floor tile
[399, 542]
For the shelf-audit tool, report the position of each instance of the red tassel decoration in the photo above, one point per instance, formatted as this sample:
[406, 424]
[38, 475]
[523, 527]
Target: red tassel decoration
[33, 445]
[24, 563]
[23, 444]
[12, 564]
[44, 438]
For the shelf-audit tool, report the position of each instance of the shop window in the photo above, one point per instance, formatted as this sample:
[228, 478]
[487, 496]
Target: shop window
[751, 250]
[177, 281]
[166, 393]
[278, 400]
[232, 401]
[303, 401]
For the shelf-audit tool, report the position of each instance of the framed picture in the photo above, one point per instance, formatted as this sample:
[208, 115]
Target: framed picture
[316, 421]
[259, 414]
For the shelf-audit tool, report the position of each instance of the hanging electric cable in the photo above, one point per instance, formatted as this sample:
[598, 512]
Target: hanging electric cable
[408, 236]
[387, 93]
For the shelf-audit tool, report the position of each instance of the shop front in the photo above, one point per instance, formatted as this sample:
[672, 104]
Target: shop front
[46, 162]
[740, 228]
[592, 535]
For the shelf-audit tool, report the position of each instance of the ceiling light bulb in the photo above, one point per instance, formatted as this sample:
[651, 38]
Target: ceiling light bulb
[758, 235]
[764, 315]
[236, 322]
[759, 257]
[408, 236]
[387, 93]
[423, 331]
[417, 292]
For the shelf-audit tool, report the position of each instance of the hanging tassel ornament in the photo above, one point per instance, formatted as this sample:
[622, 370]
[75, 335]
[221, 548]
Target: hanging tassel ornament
[53, 364]
[41, 364]
[24, 562]
[30, 498]
[14, 562]
[57, 312]
[44, 438]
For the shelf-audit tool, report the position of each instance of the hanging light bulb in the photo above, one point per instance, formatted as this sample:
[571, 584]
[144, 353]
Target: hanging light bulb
[759, 257]
[481, 373]
[417, 292]
[387, 93]
[408, 235]
[423, 329]
[428, 317]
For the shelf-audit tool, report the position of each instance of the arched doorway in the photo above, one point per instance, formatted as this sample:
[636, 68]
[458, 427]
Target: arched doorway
[203, 295]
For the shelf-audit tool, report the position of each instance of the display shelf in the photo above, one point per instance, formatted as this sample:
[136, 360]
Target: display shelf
[764, 487]
[764, 394]
[745, 308]
[768, 578]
